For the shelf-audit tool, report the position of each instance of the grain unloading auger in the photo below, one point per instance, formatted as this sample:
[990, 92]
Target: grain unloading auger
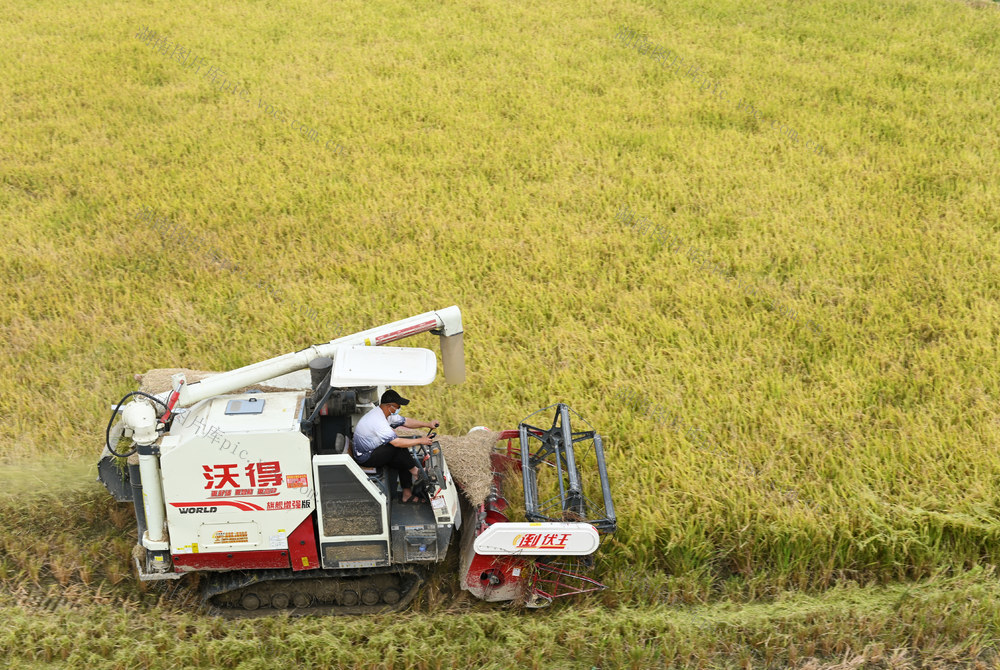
[247, 478]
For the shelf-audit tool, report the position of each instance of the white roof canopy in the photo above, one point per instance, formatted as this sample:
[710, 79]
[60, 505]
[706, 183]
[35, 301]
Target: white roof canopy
[383, 366]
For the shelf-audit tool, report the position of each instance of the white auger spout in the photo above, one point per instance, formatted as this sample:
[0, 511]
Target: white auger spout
[447, 323]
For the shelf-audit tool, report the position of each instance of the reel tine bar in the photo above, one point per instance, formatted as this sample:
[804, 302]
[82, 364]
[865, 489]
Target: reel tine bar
[558, 443]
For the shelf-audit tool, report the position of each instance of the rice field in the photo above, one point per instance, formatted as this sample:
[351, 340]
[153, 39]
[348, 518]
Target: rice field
[755, 246]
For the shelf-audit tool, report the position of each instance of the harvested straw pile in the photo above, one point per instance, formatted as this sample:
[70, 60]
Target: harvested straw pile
[158, 381]
[468, 458]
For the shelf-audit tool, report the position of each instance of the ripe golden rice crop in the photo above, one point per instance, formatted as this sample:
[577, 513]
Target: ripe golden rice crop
[478, 154]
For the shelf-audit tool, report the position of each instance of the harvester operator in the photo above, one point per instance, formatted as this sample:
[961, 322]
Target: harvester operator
[376, 443]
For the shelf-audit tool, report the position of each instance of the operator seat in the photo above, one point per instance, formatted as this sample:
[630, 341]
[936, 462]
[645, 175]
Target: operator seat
[344, 445]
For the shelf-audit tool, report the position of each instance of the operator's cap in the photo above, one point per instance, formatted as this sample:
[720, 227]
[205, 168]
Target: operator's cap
[392, 396]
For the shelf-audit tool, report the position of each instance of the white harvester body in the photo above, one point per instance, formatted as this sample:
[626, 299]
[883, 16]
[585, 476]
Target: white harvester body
[236, 480]
[262, 489]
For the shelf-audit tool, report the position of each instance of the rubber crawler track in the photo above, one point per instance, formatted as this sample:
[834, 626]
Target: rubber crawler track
[327, 592]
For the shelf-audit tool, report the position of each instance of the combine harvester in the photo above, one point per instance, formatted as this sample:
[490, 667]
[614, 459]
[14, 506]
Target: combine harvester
[247, 478]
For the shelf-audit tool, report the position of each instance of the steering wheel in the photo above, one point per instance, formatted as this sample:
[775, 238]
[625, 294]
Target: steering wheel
[421, 460]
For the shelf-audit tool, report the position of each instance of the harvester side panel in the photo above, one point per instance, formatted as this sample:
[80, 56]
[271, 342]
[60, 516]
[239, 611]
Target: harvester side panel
[236, 483]
[353, 517]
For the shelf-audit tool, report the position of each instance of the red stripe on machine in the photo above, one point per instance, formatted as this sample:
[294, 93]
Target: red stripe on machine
[231, 560]
[245, 506]
[406, 332]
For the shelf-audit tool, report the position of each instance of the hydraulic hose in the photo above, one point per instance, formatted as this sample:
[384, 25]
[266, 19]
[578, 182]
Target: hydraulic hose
[114, 413]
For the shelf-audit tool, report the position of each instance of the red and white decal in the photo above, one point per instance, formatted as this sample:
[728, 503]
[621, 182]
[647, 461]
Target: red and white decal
[538, 539]
[239, 504]
[246, 493]
[289, 504]
[227, 477]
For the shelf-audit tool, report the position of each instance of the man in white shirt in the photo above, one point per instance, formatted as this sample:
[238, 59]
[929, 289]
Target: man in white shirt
[376, 443]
